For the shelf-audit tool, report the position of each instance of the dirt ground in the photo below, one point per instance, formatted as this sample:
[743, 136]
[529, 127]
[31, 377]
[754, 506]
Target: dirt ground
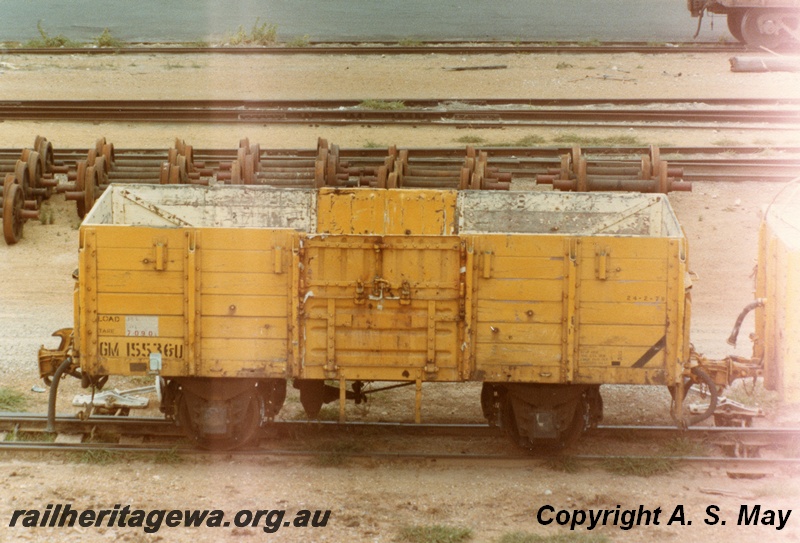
[373, 500]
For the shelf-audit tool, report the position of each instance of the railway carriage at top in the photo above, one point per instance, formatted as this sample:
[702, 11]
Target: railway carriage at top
[767, 23]
[226, 293]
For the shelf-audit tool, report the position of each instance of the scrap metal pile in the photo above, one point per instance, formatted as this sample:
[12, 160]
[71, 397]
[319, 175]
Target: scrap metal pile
[83, 175]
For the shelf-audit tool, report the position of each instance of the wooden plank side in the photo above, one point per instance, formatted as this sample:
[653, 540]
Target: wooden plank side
[244, 305]
[624, 313]
[137, 259]
[140, 304]
[235, 351]
[237, 327]
[525, 334]
[546, 290]
[141, 282]
[625, 334]
[139, 237]
[519, 311]
[244, 284]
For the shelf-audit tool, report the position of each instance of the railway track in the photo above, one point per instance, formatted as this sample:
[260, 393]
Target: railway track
[468, 113]
[395, 48]
[740, 446]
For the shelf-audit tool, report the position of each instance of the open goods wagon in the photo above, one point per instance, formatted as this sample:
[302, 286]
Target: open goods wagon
[225, 293]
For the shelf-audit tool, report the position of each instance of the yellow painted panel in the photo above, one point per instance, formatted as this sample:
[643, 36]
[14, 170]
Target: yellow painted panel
[140, 304]
[494, 354]
[514, 245]
[633, 291]
[625, 269]
[520, 374]
[604, 375]
[244, 327]
[637, 248]
[137, 259]
[622, 356]
[115, 325]
[243, 239]
[648, 313]
[521, 289]
[505, 333]
[522, 267]
[239, 350]
[238, 261]
[382, 212]
[247, 284]
[139, 237]
[140, 282]
[244, 306]
[625, 334]
[350, 211]
[415, 212]
[532, 312]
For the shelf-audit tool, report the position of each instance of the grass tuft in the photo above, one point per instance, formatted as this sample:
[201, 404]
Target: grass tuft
[49, 42]
[11, 400]
[107, 40]
[524, 537]
[639, 467]
[436, 533]
[260, 34]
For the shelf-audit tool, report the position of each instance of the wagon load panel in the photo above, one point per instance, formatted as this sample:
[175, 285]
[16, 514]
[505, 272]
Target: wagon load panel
[583, 288]
[196, 283]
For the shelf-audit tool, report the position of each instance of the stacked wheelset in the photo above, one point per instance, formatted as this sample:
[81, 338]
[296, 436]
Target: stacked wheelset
[29, 182]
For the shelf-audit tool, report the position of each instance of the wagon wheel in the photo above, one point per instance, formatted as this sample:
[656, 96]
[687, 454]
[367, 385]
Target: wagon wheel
[34, 170]
[244, 143]
[565, 169]
[655, 159]
[172, 155]
[249, 171]
[89, 185]
[163, 173]
[45, 150]
[80, 183]
[255, 150]
[735, 24]
[13, 202]
[23, 177]
[762, 28]
[247, 427]
[319, 173]
[582, 184]
[108, 153]
[647, 168]
[236, 173]
[663, 179]
[98, 146]
[7, 182]
[91, 156]
[188, 152]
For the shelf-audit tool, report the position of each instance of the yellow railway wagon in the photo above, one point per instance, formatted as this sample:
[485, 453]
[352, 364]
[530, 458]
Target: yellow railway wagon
[778, 283]
[225, 293]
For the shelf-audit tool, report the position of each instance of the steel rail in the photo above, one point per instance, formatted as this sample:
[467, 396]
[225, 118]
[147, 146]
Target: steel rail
[158, 426]
[460, 113]
[391, 48]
